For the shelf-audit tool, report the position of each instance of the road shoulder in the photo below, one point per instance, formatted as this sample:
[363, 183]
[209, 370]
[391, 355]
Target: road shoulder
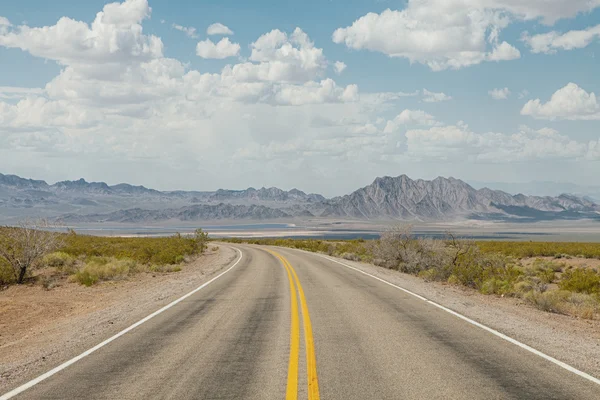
[41, 328]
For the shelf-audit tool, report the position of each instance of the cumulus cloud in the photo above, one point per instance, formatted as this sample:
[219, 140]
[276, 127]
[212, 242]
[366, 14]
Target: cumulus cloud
[551, 42]
[223, 49]
[339, 67]
[570, 102]
[458, 142]
[11, 92]
[218, 29]
[277, 56]
[432, 97]
[120, 106]
[410, 117]
[4, 25]
[549, 11]
[297, 48]
[504, 52]
[418, 117]
[115, 36]
[499, 94]
[189, 31]
[438, 33]
[325, 91]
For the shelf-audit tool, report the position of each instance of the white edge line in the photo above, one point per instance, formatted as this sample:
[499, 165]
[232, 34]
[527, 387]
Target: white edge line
[477, 324]
[48, 374]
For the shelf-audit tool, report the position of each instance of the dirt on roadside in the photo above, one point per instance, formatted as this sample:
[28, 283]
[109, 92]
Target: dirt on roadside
[39, 328]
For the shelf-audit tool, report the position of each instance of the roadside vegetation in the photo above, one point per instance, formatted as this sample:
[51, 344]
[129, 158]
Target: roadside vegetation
[32, 255]
[540, 274]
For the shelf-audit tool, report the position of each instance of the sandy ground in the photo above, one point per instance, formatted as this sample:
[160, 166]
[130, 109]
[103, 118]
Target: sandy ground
[568, 262]
[569, 339]
[40, 328]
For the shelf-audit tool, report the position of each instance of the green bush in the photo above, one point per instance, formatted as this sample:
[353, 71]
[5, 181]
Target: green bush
[85, 278]
[59, 259]
[580, 280]
[144, 250]
[105, 269]
[566, 302]
[7, 275]
[540, 249]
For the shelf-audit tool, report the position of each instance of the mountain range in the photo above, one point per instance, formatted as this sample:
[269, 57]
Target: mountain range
[398, 198]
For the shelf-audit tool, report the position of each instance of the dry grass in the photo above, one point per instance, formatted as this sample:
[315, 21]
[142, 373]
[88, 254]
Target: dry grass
[92, 259]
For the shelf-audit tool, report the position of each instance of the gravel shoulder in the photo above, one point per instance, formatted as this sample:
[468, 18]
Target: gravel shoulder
[41, 328]
[569, 339]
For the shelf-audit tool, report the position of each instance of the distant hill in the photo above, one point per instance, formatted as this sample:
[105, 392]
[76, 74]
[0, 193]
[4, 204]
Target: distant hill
[543, 188]
[398, 198]
[448, 198]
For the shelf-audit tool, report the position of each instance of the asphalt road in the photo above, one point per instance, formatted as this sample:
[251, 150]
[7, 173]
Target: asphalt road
[342, 335]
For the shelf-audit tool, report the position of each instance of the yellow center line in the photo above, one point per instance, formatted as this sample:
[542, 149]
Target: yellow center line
[311, 361]
[292, 380]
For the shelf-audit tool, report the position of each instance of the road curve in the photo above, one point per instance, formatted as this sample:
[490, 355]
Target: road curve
[240, 336]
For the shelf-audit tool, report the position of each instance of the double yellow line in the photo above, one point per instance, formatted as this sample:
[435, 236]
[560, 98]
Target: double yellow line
[311, 361]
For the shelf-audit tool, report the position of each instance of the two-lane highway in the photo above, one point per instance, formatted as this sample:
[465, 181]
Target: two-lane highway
[285, 324]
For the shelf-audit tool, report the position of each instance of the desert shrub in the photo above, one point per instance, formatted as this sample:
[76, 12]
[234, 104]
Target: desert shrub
[165, 268]
[7, 275]
[489, 273]
[24, 246]
[523, 287]
[541, 249]
[566, 302]
[85, 277]
[350, 256]
[544, 270]
[541, 264]
[62, 261]
[497, 286]
[105, 269]
[581, 280]
[215, 248]
[145, 250]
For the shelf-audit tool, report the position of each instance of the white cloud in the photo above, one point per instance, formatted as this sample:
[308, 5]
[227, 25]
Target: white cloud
[410, 117]
[11, 92]
[570, 102]
[119, 107]
[438, 33]
[4, 25]
[277, 56]
[223, 49]
[218, 29]
[548, 10]
[189, 31]
[504, 52]
[339, 67]
[458, 142]
[38, 113]
[418, 117]
[499, 94]
[432, 97]
[115, 36]
[326, 91]
[551, 42]
[297, 48]
[523, 93]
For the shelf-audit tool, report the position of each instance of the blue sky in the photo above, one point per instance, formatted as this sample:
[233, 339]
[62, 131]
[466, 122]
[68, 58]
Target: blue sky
[485, 90]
